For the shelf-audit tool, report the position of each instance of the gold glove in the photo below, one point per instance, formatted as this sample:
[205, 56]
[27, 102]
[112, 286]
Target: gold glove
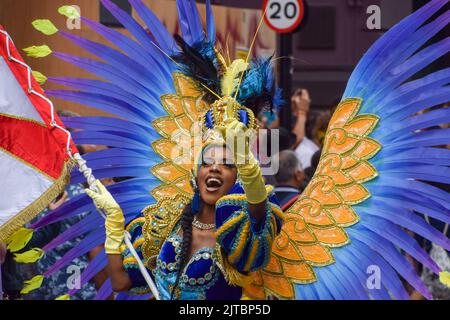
[115, 221]
[248, 167]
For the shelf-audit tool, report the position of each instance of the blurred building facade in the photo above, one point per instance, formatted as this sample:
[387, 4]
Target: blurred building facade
[326, 49]
[333, 40]
[235, 27]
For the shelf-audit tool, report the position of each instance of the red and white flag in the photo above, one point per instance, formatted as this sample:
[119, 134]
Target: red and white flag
[35, 148]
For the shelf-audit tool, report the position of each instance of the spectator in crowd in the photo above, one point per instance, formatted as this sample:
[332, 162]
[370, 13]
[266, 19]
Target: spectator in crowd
[289, 178]
[307, 136]
[268, 120]
[287, 139]
[317, 125]
[309, 172]
[304, 147]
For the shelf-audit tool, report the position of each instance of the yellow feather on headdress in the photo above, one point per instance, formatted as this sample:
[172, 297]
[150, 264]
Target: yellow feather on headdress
[230, 80]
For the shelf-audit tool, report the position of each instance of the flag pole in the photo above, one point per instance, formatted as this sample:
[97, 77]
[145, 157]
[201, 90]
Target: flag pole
[87, 172]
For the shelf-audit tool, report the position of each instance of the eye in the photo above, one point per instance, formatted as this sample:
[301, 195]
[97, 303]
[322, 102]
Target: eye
[207, 161]
[230, 165]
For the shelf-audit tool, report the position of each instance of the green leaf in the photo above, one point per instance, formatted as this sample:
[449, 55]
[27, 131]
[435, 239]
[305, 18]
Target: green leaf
[32, 284]
[40, 78]
[29, 256]
[69, 11]
[19, 239]
[45, 26]
[38, 51]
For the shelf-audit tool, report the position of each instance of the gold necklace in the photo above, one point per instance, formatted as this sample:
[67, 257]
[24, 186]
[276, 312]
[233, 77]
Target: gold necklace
[202, 226]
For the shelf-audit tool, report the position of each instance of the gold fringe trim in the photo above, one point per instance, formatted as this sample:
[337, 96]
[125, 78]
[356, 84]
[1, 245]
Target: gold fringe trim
[232, 276]
[32, 210]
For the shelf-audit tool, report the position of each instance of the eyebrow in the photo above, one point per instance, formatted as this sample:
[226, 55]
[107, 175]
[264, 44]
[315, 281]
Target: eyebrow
[224, 160]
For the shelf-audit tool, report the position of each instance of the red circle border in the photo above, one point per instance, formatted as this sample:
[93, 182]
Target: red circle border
[290, 29]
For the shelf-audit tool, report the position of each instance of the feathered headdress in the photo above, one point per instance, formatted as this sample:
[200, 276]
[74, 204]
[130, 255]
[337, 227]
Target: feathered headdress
[250, 84]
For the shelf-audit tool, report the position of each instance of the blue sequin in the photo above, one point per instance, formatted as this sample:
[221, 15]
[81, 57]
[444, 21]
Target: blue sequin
[243, 117]
[209, 120]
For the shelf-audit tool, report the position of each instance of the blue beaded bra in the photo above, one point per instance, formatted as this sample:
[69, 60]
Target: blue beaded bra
[200, 273]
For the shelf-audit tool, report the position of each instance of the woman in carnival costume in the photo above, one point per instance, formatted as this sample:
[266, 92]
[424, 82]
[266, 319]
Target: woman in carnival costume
[225, 231]
[213, 230]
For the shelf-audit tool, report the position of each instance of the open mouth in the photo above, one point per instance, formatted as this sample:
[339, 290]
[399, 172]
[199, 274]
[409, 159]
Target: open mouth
[213, 184]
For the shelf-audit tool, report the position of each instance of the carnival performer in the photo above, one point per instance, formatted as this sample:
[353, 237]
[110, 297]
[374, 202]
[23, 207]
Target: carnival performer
[225, 232]
[198, 212]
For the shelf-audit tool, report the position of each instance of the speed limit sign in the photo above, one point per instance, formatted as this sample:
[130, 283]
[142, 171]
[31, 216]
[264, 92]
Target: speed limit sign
[283, 15]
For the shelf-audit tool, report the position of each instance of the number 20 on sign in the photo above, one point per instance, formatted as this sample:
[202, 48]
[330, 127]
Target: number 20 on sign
[283, 15]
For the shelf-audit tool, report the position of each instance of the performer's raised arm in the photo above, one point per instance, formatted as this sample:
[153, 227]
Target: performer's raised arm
[115, 234]
[238, 136]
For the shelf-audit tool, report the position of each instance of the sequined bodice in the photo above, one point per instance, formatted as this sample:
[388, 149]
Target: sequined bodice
[199, 275]
[211, 273]
[200, 267]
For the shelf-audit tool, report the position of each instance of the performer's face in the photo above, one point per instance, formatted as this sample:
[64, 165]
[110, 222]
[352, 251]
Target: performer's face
[217, 174]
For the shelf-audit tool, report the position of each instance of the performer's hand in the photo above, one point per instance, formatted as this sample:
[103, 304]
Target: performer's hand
[238, 138]
[115, 221]
[247, 166]
[232, 127]
[102, 199]
[56, 204]
[300, 102]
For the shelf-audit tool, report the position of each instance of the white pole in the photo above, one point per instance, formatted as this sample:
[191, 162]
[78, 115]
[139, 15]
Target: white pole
[87, 172]
[142, 268]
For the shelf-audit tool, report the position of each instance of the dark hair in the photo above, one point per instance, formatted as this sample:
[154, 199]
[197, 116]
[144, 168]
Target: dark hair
[288, 164]
[287, 139]
[186, 226]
